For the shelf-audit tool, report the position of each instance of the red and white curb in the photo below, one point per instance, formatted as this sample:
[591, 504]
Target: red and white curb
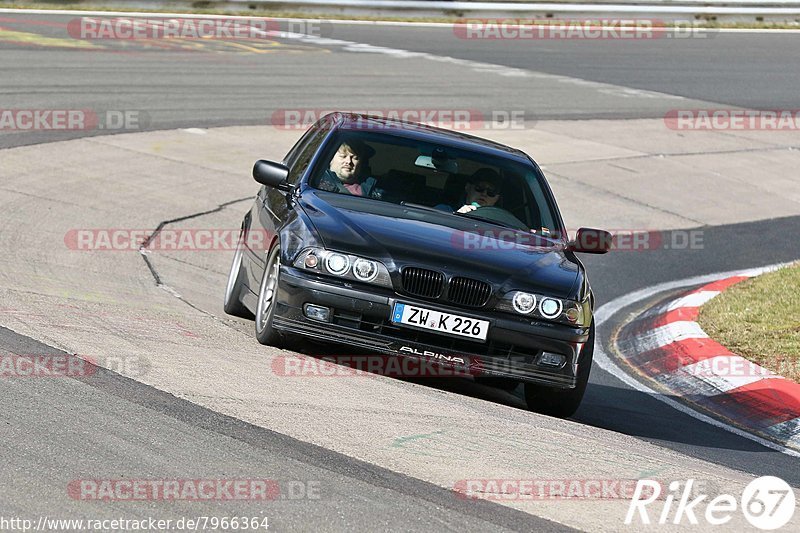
[667, 345]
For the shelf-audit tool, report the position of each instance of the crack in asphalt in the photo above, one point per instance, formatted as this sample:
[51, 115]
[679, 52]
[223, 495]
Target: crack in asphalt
[143, 252]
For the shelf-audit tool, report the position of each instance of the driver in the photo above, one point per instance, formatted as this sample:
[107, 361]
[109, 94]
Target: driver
[344, 172]
[482, 190]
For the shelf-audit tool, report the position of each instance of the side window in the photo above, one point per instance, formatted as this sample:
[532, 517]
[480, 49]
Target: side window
[295, 150]
[298, 158]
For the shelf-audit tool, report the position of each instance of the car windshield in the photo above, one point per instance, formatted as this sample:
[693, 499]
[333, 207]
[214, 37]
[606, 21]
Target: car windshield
[437, 177]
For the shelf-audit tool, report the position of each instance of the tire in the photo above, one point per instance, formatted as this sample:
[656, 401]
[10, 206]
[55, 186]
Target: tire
[267, 293]
[563, 403]
[233, 290]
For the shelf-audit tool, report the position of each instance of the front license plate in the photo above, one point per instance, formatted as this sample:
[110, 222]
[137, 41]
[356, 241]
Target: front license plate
[462, 326]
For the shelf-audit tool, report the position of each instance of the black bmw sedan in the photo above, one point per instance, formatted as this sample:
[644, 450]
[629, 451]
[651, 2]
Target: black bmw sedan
[410, 241]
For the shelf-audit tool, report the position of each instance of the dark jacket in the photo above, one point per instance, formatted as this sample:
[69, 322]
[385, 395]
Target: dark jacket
[329, 181]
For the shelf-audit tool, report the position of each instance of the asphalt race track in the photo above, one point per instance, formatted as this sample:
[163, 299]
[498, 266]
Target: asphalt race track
[361, 454]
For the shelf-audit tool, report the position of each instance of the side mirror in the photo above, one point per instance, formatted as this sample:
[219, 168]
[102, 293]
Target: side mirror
[271, 174]
[591, 241]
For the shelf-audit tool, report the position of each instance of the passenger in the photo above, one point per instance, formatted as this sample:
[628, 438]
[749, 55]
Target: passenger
[345, 169]
[482, 190]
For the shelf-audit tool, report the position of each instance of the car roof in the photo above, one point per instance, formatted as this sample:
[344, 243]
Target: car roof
[360, 121]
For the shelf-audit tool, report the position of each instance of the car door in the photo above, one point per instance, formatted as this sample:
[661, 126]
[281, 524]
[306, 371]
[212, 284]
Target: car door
[273, 208]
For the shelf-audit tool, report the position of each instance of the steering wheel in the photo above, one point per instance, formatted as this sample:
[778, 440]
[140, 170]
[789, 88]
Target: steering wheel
[498, 214]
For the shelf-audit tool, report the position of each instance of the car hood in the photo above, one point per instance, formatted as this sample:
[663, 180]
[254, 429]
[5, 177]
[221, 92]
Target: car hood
[399, 236]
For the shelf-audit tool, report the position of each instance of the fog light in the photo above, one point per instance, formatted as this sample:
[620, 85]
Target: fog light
[551, 359]
[317, 312]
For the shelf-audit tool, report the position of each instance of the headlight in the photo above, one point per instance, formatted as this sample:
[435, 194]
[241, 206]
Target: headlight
[365, 270]
[547, 307]
[524, 302]
[550, 308]
[337, 264]
[343, 265]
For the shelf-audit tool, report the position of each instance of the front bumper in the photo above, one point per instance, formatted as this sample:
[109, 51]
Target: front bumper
[360, 319]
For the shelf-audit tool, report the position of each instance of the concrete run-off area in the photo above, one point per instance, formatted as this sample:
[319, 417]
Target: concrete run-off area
[635, 174]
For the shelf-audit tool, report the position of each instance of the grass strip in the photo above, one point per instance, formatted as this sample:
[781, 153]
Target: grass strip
[759, 319]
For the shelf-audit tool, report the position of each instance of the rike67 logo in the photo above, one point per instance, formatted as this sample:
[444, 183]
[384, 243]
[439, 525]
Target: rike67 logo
[767, 503]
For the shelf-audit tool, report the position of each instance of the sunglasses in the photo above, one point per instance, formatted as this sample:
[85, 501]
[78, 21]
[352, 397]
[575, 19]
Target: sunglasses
[491, 193]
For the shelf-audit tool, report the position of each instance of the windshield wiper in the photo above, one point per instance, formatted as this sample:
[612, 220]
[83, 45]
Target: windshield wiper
[425, 207]
[465, 215]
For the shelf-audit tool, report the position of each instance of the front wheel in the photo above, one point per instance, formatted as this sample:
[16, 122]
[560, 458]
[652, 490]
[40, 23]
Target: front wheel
[267, 300]
[562, 403]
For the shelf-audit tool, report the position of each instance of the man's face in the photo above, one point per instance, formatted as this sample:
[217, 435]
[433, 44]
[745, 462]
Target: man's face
[346, 164]
[483, 192]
